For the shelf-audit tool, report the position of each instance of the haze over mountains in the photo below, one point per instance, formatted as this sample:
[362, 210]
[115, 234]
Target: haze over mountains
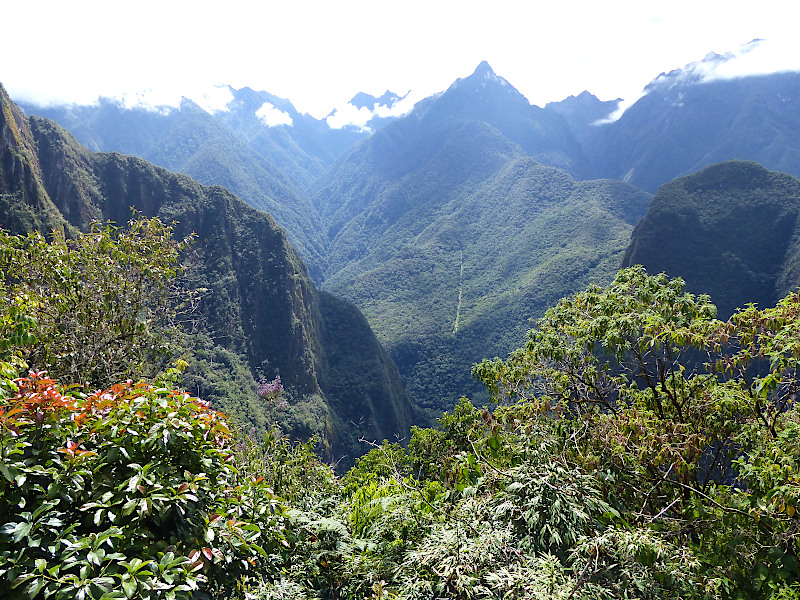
[452, 225]
[261, 314]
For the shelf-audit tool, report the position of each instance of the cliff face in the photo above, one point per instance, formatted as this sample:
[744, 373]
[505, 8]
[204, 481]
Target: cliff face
[24, 203]
[260, 308]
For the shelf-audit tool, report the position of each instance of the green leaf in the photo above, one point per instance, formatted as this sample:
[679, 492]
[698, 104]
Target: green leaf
[9, 474]
[34, 587]
[129, 587]
[17, 531]
[129, 507]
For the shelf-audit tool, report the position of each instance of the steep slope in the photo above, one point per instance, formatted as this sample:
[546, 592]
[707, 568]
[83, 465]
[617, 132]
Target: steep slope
[298, 144]
[398, 179]
[583, 112]
[730, 230]
[686, 122]
[456, 277]
[263, 315]
[189, 140]
[24, 203]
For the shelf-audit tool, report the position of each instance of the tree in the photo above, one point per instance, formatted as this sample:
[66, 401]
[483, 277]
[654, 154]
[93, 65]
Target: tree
[127, 492]
[687, 421]
[104, 303]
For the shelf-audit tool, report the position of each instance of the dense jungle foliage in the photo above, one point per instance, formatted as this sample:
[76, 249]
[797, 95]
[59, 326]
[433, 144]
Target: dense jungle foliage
[636, 447]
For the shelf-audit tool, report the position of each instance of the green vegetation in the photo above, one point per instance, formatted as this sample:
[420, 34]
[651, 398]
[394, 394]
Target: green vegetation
[129, 492]
[507, 240]
[730, 230]
[254, 311]
[638, 448]
[104, 303]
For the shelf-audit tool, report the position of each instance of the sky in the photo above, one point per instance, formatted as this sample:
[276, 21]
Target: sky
[320, 53]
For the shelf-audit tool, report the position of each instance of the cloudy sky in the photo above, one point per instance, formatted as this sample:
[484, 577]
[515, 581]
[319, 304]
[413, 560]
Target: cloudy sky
[319, 53]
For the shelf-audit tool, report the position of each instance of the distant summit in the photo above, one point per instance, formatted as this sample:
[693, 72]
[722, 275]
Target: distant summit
[583, 111]
[486, 97]
[482, 77]
[370, 102]
[484, 70]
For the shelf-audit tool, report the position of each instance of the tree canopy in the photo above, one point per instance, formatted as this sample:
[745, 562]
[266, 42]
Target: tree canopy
[103, 306]
[636, 447]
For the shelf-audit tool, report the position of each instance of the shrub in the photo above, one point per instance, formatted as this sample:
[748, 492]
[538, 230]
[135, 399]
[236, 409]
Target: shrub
[130, 491]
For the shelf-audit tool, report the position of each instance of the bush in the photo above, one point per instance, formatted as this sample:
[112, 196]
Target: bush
[130, 491]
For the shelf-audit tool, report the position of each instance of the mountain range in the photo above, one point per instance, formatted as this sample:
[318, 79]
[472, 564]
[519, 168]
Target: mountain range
[263, 316]
[452, 225]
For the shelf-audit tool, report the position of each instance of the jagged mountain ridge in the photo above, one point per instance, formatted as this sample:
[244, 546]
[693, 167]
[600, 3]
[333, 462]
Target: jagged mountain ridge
[190, 140]
[385, 191]
[264, 315]
[688, 119]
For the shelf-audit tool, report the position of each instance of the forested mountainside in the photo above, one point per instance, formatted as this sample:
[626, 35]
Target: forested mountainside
[684, 123]
[451, 257]
[730, 230]
[263, 315]
[189, 140]
[408, 222]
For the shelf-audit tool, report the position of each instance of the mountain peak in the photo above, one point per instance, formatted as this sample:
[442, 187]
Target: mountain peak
[484, 70]
[482, 76]
[364, 100]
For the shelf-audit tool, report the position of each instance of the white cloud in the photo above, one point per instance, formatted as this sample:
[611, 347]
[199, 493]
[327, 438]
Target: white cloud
[214, 99]
[622, 106]
[757, 58]
[272, 116]
[401, 107]
[297, 50]
[349, 115]
[211, 99]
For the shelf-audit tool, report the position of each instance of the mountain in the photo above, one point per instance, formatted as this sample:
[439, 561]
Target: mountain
[731, 230]
[382, 108]
[449, 237]
[190, 140]
[24, 202]
[298, 144]
[583, 113]
[687, 121]
[263, 315]
[488, 98]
